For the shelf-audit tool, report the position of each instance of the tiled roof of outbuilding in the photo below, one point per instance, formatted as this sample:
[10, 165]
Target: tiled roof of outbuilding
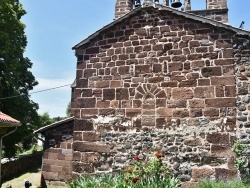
[7, 120]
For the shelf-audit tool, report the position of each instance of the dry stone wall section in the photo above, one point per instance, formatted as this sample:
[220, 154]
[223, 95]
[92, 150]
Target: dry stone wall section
[156, 80]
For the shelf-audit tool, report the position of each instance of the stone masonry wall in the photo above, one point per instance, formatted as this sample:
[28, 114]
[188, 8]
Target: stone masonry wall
[156, 80]
[242, 73]
[57, 163]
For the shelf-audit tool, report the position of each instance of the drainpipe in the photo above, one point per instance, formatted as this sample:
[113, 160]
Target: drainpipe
[1, 142]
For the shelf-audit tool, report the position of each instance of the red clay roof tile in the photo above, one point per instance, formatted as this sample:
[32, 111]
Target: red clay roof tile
[7, 119]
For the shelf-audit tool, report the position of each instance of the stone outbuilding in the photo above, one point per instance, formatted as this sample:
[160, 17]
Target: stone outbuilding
[57, 152]
[159, 77]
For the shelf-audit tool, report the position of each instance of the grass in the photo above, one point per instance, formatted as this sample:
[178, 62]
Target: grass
[225, 184]
[34, 176]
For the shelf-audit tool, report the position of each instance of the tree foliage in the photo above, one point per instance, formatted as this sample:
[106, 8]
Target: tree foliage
[68, 110]
[15, 75]
[45, 119]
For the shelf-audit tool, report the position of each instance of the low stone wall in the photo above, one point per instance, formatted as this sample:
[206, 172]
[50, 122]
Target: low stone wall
[21, 165]
[189, 150]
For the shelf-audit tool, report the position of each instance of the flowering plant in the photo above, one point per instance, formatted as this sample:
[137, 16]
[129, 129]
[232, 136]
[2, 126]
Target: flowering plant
[152, 172]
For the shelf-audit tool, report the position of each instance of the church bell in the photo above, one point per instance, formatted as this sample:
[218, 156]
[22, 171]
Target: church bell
[176, 4]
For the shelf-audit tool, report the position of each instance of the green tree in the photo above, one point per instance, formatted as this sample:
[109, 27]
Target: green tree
[68, 110]
[45, 119]
[15, 75]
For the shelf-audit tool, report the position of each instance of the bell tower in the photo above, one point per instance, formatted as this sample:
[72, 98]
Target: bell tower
[216, 4]
[123, 7]
[215, 9]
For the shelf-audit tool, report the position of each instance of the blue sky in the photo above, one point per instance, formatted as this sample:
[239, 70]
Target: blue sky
[53, 27]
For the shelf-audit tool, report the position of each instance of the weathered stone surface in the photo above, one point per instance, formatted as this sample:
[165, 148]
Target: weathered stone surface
[202, 173]
[91, 147]
[83, 125]
[221, 151]
[204, 92]
[220, 102]
[86, 102]
[182, 93]
[217, 137]
[225, 174]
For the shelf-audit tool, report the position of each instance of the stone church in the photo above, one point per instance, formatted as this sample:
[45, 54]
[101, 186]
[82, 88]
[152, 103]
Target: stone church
[160, 76]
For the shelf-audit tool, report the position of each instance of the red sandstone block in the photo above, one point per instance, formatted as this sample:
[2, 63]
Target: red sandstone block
[108, 94]
[91, 147]
[83, 125]
[126, 104]
[218, 137]
[226, 174]
[224, 61]
[220, 102]
[149, 112]
[160, 103]
[219, 91]
[91, 136]
[221, 151]
[175, 67]
[210, 55]
[116, 84]
[169, 84]
[179, 58]
[194, 57]
[204, 92]
[122, 94]
[148, 121]
[89, 72]
[230, 80]
[165, 112]
[223, 44]
[86, 102]
[227, 53]
[50, 176]
[133, 112]
[197, 64]
[78, 136]
[174, 52]
[180, 113]
[155, 79]
[192, 76]
[137, 103]
[142, 69]
[196, 103]
[89, 112]
[202, 173]
[211, 112]
[161, 94]
[103, 104]
[102, 84]
[188, 83]
[228, 70]
[195, 112]
[106, 111]
[176, 103]
[211, 71]
[230, 91]
[182, 93]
